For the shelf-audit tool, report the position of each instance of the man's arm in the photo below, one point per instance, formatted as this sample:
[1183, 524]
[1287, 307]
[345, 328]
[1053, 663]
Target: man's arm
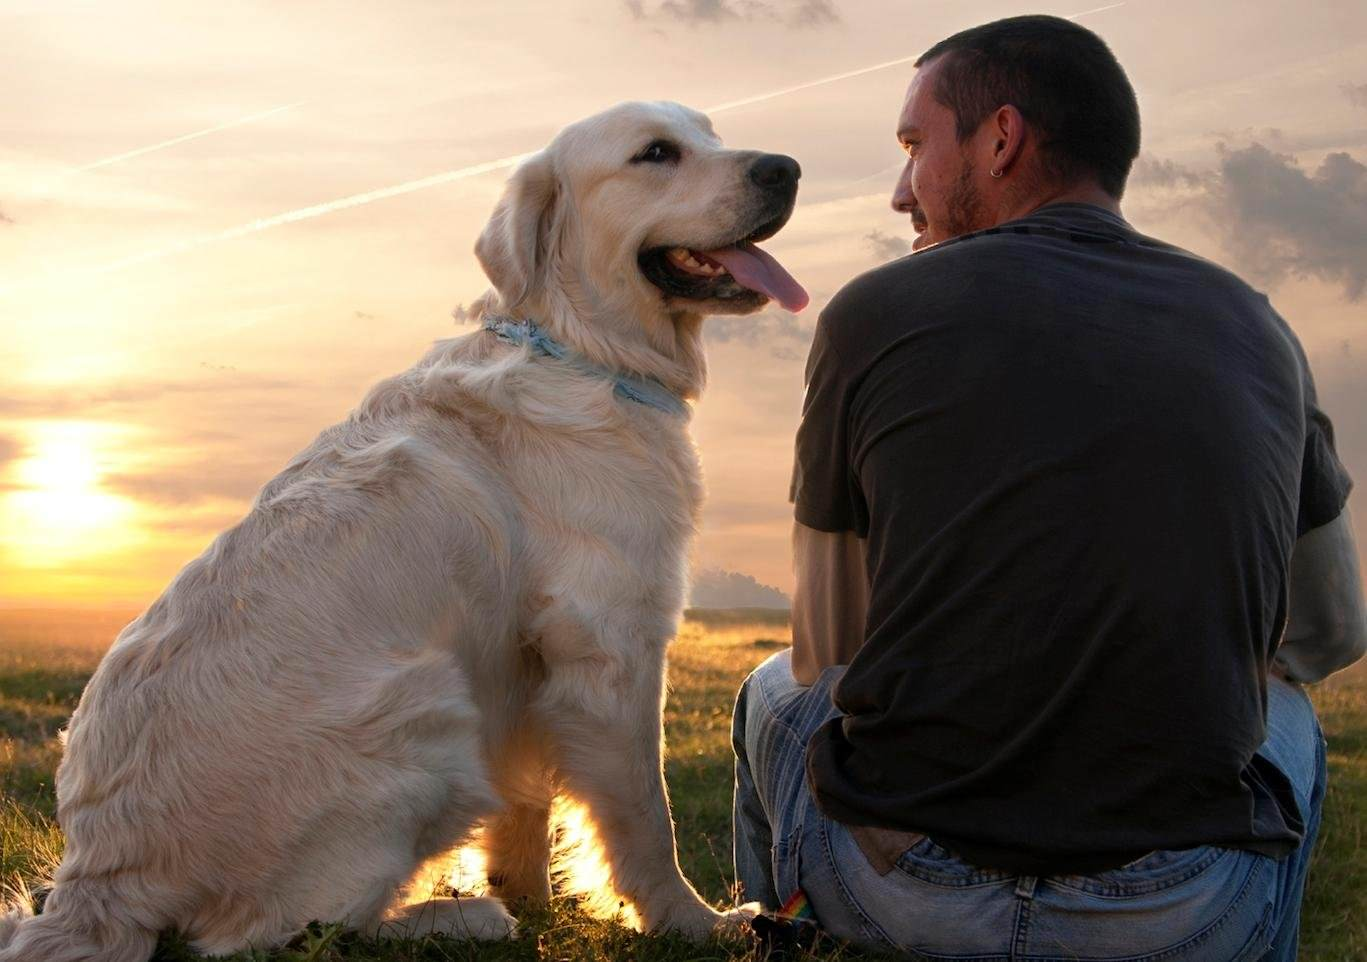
[1326, 626]
[830, 600]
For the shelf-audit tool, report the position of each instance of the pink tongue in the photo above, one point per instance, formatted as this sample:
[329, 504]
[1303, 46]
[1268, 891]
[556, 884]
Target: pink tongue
[757, 270]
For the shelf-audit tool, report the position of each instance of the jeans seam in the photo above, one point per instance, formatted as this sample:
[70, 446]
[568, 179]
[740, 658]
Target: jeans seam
[773, 712]
[846, 895]
[974, 880]
[877, 932]
[1022, 925]
[1122, 890]
[1200, 937]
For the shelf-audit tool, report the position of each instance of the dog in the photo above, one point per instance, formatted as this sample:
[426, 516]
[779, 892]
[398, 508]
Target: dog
[446, 609]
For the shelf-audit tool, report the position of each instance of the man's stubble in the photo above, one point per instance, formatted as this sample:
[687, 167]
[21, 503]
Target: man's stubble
[964, 210]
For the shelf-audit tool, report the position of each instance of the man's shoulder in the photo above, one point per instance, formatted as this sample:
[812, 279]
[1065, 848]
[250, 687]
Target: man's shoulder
[930, 286]
[1004, 264]
[928, 273]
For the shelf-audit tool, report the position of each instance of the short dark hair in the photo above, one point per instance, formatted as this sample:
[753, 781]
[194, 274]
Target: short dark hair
[1061, 77]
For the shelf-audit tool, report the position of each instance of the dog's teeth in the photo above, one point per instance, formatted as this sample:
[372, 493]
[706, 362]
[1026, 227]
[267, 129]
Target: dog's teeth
[692, 261]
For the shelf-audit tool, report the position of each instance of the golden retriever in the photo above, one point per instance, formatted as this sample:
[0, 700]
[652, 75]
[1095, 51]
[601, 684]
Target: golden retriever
[447, 608]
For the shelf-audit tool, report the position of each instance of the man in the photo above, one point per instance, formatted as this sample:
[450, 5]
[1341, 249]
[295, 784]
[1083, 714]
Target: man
[1048, 483]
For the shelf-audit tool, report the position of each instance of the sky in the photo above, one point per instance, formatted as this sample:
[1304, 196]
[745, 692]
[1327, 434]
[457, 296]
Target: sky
[183, 306]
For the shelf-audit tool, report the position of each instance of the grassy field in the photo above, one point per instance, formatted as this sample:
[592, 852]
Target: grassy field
[46, 657]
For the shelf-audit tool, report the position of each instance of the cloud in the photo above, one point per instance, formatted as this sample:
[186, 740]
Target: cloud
[887, 247]
[1274, 218]
[115, 399]
[204, 479]
[699, 11]
[814, 13]
[785, 334]
[794, 13]
[217, 437]
[9, 450]
[1150, 171]
[1356, 94]
[1283, 221]
[5, 219]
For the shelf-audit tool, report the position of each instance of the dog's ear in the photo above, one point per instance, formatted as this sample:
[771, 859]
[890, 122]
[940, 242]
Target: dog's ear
[515, 245]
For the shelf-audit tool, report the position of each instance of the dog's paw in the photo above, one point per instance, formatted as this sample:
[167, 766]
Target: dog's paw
[700, 922]
[696, 922]
[736, 921]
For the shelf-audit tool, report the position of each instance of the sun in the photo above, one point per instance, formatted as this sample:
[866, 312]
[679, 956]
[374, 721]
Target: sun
[54, 509]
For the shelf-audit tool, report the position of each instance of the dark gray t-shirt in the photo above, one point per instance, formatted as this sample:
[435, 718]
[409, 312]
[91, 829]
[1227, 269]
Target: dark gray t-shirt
[1081, 458]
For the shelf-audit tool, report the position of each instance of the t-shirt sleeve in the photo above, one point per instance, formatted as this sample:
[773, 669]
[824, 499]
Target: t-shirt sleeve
[824, 490]
[1324, 480]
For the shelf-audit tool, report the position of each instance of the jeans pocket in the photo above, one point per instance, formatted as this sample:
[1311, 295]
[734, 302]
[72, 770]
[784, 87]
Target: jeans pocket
[1152, 873]
[932, 863]
[1190, 905]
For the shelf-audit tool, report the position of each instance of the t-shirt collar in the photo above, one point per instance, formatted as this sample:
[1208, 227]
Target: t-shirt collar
[1073, 213]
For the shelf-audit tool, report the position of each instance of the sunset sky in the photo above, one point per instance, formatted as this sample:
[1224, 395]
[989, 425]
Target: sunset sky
[159, 364]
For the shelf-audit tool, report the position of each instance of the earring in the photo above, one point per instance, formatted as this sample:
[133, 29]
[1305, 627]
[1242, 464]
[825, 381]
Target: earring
[996, 173]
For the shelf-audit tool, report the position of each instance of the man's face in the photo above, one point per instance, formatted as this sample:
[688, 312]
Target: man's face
[939, 186]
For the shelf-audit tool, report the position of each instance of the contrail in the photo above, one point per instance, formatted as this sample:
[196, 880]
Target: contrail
[407, 187]
[130, 154]
[317, 210]
[833, 78]
[289, 217]
[1086, 13]
[760, 98]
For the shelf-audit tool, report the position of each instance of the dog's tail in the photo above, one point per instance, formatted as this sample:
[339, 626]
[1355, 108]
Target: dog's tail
[81, 922]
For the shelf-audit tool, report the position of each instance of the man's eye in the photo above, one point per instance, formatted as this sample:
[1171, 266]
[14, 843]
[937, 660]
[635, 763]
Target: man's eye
[659, 152]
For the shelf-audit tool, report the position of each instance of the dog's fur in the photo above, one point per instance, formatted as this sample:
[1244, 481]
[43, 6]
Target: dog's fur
[444, 610]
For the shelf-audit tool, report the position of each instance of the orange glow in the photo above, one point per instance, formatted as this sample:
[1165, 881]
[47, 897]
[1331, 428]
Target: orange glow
[143, 299]
[579, 868]
[55, 510]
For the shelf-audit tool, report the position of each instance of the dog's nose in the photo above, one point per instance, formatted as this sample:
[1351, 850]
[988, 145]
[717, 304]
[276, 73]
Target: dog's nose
[775, 172]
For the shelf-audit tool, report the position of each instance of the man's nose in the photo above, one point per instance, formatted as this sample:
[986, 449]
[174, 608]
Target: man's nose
[776, 172]
[903, 200]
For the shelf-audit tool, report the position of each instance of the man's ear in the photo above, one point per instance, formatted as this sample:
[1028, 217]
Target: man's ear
[515, 245]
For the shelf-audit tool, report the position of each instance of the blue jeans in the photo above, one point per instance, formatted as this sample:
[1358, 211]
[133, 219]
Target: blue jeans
[1206, 903]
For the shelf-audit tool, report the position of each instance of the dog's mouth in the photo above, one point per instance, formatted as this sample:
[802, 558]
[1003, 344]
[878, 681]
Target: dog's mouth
[737, 272]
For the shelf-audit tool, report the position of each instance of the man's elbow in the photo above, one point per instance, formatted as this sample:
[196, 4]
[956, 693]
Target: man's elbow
[1331, 647]
[1353, 638]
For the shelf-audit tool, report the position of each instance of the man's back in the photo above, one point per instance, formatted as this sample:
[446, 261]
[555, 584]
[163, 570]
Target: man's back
[1076, 454]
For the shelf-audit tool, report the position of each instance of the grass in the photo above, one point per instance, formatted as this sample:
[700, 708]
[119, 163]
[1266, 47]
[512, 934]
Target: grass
[46, 658]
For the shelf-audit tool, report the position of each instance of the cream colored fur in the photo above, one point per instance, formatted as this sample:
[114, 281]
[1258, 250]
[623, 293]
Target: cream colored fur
[442, 611]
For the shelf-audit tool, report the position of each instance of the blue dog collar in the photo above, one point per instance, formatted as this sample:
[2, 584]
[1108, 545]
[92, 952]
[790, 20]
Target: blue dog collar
[642, 390]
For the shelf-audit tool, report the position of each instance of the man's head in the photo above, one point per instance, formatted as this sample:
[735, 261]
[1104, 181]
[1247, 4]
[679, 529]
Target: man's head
[1007, 116]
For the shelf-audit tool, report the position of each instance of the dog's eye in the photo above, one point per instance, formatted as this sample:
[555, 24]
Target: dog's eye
[659, 152]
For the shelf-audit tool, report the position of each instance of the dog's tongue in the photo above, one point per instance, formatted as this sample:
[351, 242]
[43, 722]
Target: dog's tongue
[757, 270]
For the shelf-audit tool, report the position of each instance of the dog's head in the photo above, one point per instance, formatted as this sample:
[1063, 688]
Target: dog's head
[640, 212]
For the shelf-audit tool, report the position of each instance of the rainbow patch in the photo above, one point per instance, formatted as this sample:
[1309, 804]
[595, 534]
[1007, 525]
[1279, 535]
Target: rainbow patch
[798, 906]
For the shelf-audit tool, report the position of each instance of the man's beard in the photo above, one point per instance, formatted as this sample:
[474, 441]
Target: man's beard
[964, 210]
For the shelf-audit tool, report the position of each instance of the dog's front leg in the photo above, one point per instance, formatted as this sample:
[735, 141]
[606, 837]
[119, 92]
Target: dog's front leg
[518, 843]
[604, 715]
